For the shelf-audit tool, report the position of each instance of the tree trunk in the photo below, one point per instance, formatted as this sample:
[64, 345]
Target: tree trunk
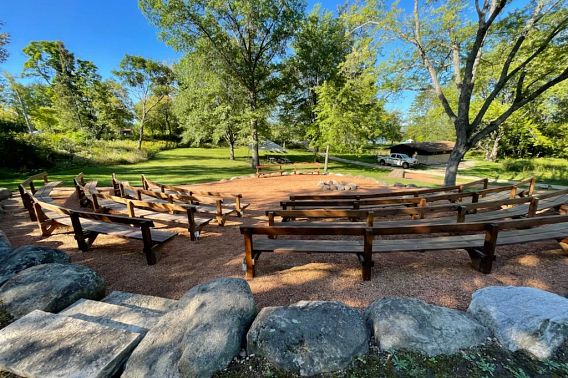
[495, 149]
[231, 150]
[456, 156]
[141, 133]
[254, 131]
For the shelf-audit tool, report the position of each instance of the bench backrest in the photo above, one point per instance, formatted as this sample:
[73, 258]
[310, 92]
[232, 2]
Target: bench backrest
[131, 204]
[395, 193]
[93, 216]
[147, 184]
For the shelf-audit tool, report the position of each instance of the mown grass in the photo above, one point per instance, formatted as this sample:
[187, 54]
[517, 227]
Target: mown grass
[546, 170]
[185, 165]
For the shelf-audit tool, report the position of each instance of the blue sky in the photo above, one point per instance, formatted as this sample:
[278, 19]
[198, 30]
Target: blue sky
[101, 31]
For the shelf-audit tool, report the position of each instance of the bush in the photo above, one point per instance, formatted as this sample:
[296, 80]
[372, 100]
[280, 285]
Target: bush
[25, 151]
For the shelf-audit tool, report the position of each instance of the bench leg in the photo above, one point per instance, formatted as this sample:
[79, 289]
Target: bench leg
[151, 258]
[249, 261]
[367, 264]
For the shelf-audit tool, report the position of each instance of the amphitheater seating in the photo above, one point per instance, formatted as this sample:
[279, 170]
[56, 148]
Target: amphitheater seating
[88, 225]
[478, 239]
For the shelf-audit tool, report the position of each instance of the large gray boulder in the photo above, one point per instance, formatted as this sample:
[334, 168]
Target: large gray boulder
[201, 336]
[50, 287]
[27, 256]
[523, 318]
[5, 246]
[5, 194]
[411, 324]
[309, 337]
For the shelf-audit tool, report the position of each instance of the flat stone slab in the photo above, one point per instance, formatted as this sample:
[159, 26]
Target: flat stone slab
[41, 344]
[137, 320]
[150, 302]
[309, 337]
[523, 318]
[411, 324]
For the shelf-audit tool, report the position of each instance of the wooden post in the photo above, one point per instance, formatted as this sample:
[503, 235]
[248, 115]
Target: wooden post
[144, 183]
[148, 244]
[326, 160]
[532, 184]
[513, 192]
[370, 218]
[219, 208]
[271, 223]
[485, 183]
[130, 209]
[462, 211]
[78, 231]
[489, 245]
[191, 223]
[533, 207]
[250, 269]
[367, 255]
[238, 206]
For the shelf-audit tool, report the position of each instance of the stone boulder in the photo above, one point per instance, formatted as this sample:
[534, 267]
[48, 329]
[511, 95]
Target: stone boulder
[27, 256]
[5, 246]
[50, 287]
[411, 324]
[201, 336]
[5, 194]
[309, 337]
[523, 318]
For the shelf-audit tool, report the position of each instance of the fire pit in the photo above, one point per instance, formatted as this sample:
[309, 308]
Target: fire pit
[336, 185]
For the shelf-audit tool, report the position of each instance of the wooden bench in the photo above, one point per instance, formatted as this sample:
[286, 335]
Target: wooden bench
[84, 190]
[503, 192]
[171, 214]
[265, 170]
[230, 201]
[478, 239]
[87, 226]
[42, 193]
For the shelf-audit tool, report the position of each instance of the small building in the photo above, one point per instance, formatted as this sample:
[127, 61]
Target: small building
[428, 153]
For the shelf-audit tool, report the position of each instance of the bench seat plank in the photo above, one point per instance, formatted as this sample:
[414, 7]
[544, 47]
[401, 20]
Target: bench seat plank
[113, 229]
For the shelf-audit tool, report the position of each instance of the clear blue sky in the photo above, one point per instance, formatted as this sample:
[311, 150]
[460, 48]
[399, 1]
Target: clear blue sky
[101, 31]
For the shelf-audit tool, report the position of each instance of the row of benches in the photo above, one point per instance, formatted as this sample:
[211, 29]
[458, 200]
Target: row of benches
[137, 223]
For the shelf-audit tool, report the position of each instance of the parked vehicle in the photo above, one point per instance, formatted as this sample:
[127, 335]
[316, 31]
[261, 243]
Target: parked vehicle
[397, 160]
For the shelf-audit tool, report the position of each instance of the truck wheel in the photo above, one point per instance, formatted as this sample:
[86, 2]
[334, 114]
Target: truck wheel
[405, 165]
[381, 162]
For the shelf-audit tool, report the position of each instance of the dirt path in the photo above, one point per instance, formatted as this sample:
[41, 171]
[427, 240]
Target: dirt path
[443, 278]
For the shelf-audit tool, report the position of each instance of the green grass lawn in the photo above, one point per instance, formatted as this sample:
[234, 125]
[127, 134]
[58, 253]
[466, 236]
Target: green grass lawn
[185, 165]
[546, 170]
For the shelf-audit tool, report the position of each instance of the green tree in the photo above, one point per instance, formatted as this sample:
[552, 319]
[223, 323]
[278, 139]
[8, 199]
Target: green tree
[447, 44]
[150, 82]
[4, 40]
[319, 46]
[427, 120]
[210, 104]
[248, 37]
[162, 122]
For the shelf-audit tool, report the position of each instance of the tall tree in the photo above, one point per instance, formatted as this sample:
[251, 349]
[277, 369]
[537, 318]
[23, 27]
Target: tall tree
[319, 46]
[450, 44]
[211, 105]
[247, 37]
[57, 66]
[17, 97]
[4, 39]
[150, 82]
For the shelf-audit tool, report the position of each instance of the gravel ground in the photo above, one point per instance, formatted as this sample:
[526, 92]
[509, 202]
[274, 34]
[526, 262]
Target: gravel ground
[444, 278]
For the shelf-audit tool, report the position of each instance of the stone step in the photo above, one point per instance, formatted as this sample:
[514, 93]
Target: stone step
[131, 319]
[140, 301]
[42, 344]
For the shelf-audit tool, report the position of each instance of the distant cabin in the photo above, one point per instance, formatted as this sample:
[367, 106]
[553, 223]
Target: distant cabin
[429, 153]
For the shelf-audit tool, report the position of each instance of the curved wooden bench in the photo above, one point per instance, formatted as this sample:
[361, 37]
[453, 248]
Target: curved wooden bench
[42, 193]
[478, 239]
[87, 226]
[166, 213]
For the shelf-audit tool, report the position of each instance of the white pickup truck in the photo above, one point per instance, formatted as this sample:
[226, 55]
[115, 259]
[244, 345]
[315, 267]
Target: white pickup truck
[399, 160]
